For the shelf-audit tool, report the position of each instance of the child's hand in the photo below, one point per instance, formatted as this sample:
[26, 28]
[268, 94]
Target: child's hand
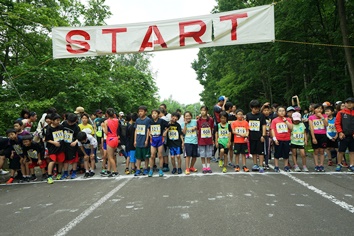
[57, 144]
[39, 162]
[276, 142]
[314, 141]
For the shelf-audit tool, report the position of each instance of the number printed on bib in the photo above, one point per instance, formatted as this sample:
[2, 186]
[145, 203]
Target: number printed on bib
[68, 137]
[240, 130]
[140, 129]
[282, 128]
[318, 124]
[254, 125]
[298, 137]
[173, 134]
[191, 132]
[331, 128]
[205, 132]
[223, 133]
[155, 130]
[58, 136]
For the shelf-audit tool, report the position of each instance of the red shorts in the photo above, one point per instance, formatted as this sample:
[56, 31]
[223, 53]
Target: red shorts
[59, 157]
[35, 163]
[112, 142]
[75, 160]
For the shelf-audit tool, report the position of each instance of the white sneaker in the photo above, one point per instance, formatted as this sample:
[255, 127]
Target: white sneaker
[3, 172]
[297, 169]
[304, 168]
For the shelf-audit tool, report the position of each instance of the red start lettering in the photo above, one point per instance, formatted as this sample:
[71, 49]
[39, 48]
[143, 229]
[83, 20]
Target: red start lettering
[147, 44]
[233, 19]
[85, 45]
[114, 36]
[195, 35]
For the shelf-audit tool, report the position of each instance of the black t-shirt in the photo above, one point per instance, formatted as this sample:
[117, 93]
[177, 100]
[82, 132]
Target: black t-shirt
[157, 128]
[4, 143]
[174, 135]
[33, 150]
[256, 122]
[55, 134]
[70, 135]
[16, 146]
[130, 137]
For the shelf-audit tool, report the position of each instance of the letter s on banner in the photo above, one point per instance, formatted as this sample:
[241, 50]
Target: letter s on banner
[85, 45]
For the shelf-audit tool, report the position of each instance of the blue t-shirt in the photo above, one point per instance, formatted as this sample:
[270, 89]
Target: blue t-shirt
[141, 127]
[331, 129]
[191, 135]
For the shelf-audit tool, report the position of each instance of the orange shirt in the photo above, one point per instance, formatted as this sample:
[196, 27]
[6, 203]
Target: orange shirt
[240, 127]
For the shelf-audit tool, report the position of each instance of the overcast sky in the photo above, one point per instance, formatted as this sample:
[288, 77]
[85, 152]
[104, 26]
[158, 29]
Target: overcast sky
[173, 68]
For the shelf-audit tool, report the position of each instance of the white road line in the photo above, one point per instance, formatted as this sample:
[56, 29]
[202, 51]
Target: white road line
[323, 194]
[88, 211]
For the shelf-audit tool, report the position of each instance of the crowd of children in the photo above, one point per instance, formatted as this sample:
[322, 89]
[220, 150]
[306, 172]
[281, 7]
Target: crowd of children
[230, 133]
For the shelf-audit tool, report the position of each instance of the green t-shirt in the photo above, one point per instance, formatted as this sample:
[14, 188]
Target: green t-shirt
[223, 134]
[298, 134]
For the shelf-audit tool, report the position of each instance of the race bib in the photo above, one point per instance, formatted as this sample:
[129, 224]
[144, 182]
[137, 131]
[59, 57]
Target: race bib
[32, 154]
[254, 125]
[173, 134]
[281, 128]
[17, 149]
[99, 131]
[240, 130]
[298, 137]
[140, 129]
[223, 133]
[205, 132]
[58, 136]
[318, 124]
[331, 128]
[68, 137]
[155, 130]
[191, 132]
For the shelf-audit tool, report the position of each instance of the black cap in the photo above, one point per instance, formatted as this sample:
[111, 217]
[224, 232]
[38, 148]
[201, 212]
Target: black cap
[351, 99]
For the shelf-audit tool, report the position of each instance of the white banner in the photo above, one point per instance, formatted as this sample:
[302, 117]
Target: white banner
[251, 25]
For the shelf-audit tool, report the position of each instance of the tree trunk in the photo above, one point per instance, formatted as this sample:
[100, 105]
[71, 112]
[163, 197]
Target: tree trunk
[347, 51]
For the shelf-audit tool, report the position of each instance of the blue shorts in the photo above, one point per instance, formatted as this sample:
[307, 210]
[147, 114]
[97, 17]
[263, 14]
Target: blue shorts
[131, 155]
[175, 151]
[88, 151]
[156, 141]
[104, 145]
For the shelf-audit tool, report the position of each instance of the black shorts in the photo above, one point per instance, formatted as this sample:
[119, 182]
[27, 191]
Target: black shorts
[240, 148]
[347, 142]
[256, 147]
[282, 150]
[294, 146]
[321, 141]
[226, 150]
[190, 150]
[332, 144]
[15, 163]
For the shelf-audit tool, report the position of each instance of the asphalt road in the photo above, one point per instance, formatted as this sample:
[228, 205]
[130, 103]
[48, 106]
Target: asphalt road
[212, 204]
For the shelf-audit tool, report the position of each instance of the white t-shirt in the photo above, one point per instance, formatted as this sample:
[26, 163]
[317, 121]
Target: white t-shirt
[90, 141]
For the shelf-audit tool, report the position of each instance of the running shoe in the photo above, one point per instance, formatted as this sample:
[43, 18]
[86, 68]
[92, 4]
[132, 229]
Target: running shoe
[317, 169]
[132, 171]
[10, 181]
[261, 169]
[137, 173]
[113, 174]
[58, 176]
[192, 169]
[64, 176]
[187, 172]
[297, 168]
[266, 167]
[73, 176]
[145, 172]
[255, 167]
[276, 169]
[213, 159]
[237, 168]
[103, 172]
[209, 170]
[151, 172]
[338, 167]
[50, 180]
[287, 169]
[245, 169]
[179, 171]
[127, 172]
[304, 168]
[3, 172]
[224, 169]
[221, 163]
[33, 178]
[231, 165]
[351, 168]
[160, 173]
[205, 170]
[174, 170]
[92, 174]
[322, 168]
[87, 175]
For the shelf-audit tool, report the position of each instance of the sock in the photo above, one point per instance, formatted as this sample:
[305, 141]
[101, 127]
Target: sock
[204, 165]
[208, 165]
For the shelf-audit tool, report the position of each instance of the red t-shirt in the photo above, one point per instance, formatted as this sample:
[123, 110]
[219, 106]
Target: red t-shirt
[281, 130]
[240, 127]
[205, 131]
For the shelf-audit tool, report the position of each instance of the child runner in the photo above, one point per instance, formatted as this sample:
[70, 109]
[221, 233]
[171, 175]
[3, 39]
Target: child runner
[230, 119]
[130, 143]
[298, 141]
[110, 128]
[281, 132]
[141, 140]
[205, 126]
[85, 118]
[175, 142]
[54, 138]
[165, 153]
[240, 129]
[157, 128]
[332, 135]
[267, 141]
[257, 124]
[13, 152]
[223, 138]
[190, 142]
[88, 145]
[345, 128]
[24, 170]
[318, 123]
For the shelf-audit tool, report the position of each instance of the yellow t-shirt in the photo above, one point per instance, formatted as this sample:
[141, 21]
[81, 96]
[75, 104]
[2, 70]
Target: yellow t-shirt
[88, 126]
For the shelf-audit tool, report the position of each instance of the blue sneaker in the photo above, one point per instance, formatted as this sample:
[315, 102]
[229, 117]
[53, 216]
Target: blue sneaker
[137, 173]
[287, 169]
[213, 159]
[179, 171]
[351, 168]
[255, 167]
[151, 172]
[160, 173]
[145, 172]
[64, 176]
[321, 168]
[339, 168]
[174, 170]
[73, 176]
[261, 169]
[317, 169]
[276, 169]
